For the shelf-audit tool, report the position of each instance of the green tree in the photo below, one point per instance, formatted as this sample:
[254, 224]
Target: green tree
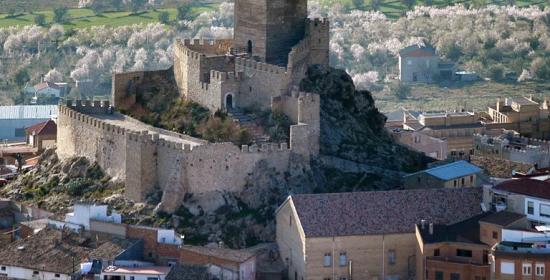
[164, 17]
[12, 12]
[22, 77]
[117, 5]
[183, 12]
[540, 67]
[136, 5]
[40, 20]
[358, 3]
[401, 90]
[409, 3]
[60, 15]
[496, 72]
[375, 4]
[99, 6]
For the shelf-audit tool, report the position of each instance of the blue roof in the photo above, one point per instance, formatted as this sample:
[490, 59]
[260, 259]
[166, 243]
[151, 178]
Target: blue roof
[453, 170]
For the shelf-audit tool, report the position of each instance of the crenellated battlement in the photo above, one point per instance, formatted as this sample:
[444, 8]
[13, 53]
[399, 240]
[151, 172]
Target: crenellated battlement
[225, 76]
[318, 23]
[259, 66]
[265, 148]
[197, 48]
[89, 107]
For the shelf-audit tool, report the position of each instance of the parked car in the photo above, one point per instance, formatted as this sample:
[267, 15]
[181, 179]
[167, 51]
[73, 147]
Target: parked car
[3, 182]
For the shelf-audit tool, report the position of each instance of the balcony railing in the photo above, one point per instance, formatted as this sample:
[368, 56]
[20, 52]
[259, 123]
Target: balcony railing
[456, 260]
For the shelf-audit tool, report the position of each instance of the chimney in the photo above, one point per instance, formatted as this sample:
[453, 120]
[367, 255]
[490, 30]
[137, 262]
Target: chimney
[498, 104]
[422, 224]
[431, 228]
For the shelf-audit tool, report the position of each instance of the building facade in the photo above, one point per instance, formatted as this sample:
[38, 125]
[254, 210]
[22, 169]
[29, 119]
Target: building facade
[365, 235]
[422, 64]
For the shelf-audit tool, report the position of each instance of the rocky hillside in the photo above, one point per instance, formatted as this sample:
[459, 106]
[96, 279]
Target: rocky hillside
[356, 154]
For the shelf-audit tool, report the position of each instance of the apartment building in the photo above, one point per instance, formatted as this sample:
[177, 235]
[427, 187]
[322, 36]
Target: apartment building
[363, 235]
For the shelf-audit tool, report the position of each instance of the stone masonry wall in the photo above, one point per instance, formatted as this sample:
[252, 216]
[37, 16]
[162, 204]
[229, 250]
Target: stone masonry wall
[144, 161]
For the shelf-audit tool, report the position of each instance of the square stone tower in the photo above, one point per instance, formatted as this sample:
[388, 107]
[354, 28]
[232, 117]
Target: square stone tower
[269, 28]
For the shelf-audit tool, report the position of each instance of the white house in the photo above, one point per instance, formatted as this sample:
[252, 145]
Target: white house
[83, 213]
[526, 196]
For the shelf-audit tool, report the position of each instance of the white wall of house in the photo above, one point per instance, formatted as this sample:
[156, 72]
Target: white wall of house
[541, 210]
[223, 273]
[84, 212]
[168, 236]
[25, 273]
[248, 269]
[519, 235]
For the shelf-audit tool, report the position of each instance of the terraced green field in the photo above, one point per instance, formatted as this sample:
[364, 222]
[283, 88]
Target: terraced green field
[82, 18]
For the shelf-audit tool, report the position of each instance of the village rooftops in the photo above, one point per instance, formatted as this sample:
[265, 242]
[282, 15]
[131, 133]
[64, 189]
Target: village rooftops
[451, 171]
[113, 247]
[237, 256]
[526, 186]
[188, 272]
[382, 212]
[49, 250]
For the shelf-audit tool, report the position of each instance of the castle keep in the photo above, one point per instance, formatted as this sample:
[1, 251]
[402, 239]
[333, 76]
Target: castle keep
[260, 67]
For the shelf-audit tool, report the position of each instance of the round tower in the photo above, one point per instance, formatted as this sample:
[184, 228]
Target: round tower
[268, 29]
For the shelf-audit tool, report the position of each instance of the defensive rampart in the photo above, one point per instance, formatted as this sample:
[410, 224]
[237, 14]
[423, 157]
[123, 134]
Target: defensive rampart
[144, 157]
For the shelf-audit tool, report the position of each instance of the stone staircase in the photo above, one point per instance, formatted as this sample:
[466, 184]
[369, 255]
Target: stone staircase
[249, 122]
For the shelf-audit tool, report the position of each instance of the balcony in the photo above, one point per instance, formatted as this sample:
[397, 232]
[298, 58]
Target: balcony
[453, 262]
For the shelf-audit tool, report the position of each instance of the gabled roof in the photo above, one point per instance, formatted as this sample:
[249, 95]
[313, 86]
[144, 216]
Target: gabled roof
[526, 186]
[48, 127]
[451, 171]
[233, 255]
[382, 212]
[418, 51]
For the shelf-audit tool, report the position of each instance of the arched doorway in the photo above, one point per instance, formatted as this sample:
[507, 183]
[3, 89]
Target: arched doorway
[229, 103]
[249, 47]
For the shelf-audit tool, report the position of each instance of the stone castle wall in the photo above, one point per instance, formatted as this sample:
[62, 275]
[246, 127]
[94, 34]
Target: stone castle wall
[124, 85]
[143, 160]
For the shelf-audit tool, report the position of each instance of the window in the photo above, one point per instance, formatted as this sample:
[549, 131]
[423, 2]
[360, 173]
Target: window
[409, 62]
[436, 253]
[544, 210]
[439, 275]
[290, 221]
[3, 268]
[462, 181]
[343, 278]
[454, 182]
[526, 269]
[391, 256]
[471, 179]
[57, 275]
[416, 139]
[530, 207]
[463, 253]
[343, 259]
[35, 272]
[495, 235]
[132, 278]
[327, 260]
[326, 278]
[539, 269]
[455, 276]
[507, 268]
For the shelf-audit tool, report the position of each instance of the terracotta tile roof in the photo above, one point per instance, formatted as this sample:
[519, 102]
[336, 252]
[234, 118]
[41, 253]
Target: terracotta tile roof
[45, 251]
[238, 256]
[416, 51]
[383, 212]
[44, 128]
[526, 186]
[503, 218]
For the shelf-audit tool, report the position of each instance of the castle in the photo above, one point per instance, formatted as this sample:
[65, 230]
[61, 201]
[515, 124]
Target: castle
[273, 46]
